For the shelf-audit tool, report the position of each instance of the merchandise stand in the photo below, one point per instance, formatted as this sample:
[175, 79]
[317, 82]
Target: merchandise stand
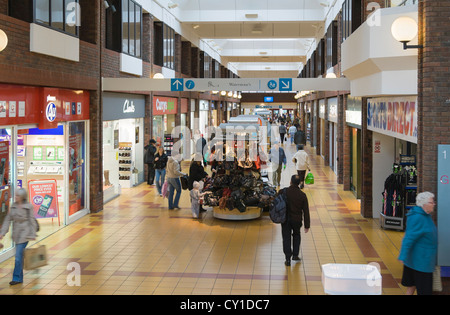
[238, 191]
[399, 194]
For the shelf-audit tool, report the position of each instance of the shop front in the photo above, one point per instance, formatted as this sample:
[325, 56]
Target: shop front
[165, 110]
[321, 126]
[393, 121]
[43, 148]
[123, 142]
[332, 129]
[203, 116]
[353, 121]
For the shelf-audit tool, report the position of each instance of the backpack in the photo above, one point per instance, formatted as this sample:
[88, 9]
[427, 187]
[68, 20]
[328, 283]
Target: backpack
[278, 208]
[299, 137]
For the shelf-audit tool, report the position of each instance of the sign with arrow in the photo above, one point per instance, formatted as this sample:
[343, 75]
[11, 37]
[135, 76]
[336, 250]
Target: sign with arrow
[177, 84]
[285, 84]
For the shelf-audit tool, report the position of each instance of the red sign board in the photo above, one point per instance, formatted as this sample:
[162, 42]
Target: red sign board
[165, 105]
[43, 106]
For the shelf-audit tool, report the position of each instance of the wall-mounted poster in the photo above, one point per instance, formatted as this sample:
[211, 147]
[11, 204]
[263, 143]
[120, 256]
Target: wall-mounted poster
[37, 153]
[60, 153]
[4, 163]
[51, 154]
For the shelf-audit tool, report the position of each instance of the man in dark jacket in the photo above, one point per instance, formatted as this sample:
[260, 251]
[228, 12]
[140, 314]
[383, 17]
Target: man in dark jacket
[297, 212]
[299, 137]
[149, 159]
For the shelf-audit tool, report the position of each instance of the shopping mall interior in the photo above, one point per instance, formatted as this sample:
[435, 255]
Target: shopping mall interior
[112, 111]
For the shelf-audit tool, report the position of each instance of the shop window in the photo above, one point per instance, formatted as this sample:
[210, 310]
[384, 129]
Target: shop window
[6, 191]
[124, 27]
[350, 17]
[56, 14]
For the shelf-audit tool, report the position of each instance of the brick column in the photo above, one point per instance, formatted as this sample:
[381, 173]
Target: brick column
[433, 93]
[367, 164]
[346, 148]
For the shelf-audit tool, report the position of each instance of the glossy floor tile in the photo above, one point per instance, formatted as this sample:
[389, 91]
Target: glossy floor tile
[137, 246]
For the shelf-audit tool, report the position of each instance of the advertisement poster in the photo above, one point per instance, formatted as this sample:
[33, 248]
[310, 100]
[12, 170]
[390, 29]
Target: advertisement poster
[4, 163]
[75, 163]
[4, 204]
[43, 195]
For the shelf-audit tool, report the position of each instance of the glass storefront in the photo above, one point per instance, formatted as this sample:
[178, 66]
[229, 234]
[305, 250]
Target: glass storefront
[51, 165]
[43, 149]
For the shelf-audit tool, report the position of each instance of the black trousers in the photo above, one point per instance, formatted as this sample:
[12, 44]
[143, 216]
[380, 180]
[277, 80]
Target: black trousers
[150, 174]
[291, 238]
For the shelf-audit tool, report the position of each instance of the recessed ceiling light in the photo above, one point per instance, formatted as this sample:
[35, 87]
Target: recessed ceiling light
[195, 26]
[263, 52]
[172, 5]
[251, 16]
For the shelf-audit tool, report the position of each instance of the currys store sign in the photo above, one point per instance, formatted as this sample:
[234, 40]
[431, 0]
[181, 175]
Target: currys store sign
[165, 105]
[395, 117]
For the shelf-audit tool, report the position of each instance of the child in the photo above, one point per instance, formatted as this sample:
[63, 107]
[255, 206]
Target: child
[196, 195]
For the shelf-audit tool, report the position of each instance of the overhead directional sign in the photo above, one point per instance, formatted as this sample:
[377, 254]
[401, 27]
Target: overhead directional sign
[176, 84]
[285, 84]
[240, 84]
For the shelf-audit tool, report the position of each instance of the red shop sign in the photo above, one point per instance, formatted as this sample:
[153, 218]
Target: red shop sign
[43, 106]
[165, 105]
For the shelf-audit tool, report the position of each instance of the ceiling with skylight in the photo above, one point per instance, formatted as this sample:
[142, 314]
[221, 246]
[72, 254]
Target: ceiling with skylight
[257, 38]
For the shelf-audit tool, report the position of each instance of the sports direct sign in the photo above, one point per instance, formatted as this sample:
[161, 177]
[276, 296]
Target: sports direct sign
[395, 117]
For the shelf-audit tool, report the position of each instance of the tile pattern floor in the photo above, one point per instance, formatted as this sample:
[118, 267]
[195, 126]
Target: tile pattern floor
[137, 246]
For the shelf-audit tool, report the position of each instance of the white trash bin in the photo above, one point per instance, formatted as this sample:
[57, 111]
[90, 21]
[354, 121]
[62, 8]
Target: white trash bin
[351, 279]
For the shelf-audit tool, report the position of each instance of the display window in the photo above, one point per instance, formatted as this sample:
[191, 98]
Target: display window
[123, 155]
[43, 149]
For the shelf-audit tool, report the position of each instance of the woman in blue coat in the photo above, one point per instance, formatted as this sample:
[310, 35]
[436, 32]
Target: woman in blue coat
[419, 247]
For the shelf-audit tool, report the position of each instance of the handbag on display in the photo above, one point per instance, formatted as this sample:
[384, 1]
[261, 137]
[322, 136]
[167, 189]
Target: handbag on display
[309, 180]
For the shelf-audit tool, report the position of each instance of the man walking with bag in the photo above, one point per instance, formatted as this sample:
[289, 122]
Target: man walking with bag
[301, 160]
[297, 213]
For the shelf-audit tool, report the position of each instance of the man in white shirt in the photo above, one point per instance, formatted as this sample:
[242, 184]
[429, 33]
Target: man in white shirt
[301, 160]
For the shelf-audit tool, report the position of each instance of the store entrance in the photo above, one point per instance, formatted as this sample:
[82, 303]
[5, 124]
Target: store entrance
[50, 165]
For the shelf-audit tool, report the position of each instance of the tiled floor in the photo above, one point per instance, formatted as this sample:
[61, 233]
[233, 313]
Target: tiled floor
[137, 246]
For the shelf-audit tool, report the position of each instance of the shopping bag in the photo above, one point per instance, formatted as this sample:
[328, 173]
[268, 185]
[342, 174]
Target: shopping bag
[309, 180]
[35, 257]
[165, 189]
[437, 281]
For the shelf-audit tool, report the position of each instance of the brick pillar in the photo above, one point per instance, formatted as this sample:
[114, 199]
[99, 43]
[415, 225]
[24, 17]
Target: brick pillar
[186, 58]
[96, 152]
[341, 125]
[433, 93]
[195, 67]
[346, 148]
[367, 164]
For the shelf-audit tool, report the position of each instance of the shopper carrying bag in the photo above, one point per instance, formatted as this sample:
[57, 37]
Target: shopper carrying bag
[24, 229]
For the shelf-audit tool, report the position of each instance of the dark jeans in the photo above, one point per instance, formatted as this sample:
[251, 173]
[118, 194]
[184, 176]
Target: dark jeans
[291, 238]
[282, 137]
[150, 173]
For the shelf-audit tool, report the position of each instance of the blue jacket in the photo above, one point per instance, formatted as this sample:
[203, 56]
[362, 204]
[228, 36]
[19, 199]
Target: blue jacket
[419, 247]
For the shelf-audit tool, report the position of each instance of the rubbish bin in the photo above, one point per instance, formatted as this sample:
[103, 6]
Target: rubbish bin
[351, 279]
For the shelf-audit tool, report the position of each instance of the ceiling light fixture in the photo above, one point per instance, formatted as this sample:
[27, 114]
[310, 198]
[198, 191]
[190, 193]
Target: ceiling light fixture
[195, 26]
[251, 15]
[172, 5]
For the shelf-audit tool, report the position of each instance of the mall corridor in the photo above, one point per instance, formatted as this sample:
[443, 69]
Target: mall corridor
[137, 246]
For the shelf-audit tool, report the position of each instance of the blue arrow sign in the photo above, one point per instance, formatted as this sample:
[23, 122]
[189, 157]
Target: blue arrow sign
[285, 84]
[177, 84]
[190, 84]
